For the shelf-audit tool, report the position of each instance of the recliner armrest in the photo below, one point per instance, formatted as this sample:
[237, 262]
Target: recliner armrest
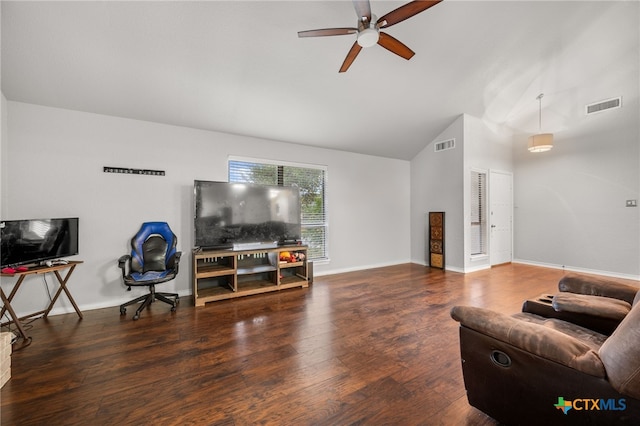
[596, 286]
[534, 338]
[597, 306]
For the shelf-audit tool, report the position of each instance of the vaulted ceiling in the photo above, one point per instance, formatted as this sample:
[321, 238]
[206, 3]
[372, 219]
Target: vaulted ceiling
[239, 66]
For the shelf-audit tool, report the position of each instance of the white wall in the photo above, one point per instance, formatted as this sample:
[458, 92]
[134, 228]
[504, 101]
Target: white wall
[437, 185]
[58, 156]
[3, 136]
[570, 202]
[440, 181]
[4, 143]
[486, 147]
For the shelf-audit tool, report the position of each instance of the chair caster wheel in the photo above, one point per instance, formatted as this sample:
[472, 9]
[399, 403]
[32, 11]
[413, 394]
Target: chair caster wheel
[173, 309]
[135, 317]
[123, 311]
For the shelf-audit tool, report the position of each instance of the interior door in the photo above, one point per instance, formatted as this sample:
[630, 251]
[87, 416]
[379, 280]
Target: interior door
[501, 217]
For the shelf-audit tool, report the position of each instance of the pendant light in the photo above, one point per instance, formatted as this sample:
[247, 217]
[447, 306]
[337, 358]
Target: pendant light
[542, 141]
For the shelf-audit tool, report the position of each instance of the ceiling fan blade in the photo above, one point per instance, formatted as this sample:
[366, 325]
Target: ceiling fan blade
[394, 45]
[327, 32]
[363, 9]
[405, 12]
[351, 56]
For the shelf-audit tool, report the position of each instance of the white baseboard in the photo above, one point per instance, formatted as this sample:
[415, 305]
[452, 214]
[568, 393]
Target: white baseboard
[66, 308]
[317, 273]
[477, 268]
[578, 269]
[456, 269]
[420, 262]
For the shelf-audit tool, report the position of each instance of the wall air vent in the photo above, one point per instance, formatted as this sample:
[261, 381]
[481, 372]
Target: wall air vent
[603, 105]
[444, 145]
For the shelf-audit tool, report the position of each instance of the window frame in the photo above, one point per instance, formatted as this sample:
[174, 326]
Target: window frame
[324, 220]
[478, 191]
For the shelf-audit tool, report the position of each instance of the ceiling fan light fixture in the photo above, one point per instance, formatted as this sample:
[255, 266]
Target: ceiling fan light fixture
[368, 29]
[368, 37]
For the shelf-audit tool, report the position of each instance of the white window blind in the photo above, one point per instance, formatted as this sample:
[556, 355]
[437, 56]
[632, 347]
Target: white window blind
[311, 182]
[478, 213]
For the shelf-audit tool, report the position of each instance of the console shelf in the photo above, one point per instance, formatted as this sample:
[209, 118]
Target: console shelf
[226, 274]
[256, 269]
[213, 271]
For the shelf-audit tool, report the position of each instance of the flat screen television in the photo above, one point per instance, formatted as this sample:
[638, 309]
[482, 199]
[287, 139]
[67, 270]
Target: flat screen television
[237, 215]
[34, 241]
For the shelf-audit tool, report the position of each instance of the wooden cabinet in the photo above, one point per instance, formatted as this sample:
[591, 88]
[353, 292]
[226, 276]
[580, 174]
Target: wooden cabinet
[225, 274]
[436, 239]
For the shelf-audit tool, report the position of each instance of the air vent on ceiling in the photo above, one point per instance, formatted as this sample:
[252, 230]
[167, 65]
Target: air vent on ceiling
[444, 145]
[604, 105]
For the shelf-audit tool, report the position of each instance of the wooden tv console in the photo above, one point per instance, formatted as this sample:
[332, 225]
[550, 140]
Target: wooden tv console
[226, 274]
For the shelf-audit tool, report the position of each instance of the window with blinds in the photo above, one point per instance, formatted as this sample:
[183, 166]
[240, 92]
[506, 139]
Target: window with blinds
[478, 213]
[311, 182]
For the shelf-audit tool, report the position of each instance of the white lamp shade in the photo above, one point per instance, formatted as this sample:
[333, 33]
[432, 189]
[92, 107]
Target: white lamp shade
[541, 142]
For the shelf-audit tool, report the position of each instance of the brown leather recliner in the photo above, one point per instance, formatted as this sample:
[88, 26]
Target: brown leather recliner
[527, 369]
[596, 303]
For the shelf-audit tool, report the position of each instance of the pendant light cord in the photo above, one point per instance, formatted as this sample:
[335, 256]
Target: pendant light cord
[540, 112]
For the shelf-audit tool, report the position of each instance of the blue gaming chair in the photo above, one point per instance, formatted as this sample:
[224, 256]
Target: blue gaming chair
[153, 260]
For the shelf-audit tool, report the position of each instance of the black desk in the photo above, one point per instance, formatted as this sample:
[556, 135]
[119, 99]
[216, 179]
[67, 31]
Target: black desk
[56, 269]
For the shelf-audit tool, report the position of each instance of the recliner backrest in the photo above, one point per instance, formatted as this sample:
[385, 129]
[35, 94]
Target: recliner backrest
[153, 248]
[597, 286]
[620, 354]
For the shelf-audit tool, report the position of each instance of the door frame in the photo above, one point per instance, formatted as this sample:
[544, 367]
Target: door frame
[492, 193]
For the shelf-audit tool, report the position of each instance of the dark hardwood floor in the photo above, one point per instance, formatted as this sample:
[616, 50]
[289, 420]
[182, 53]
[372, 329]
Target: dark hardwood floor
[372, 347]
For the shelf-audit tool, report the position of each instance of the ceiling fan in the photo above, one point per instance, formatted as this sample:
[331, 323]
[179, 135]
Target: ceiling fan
[369, 26]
